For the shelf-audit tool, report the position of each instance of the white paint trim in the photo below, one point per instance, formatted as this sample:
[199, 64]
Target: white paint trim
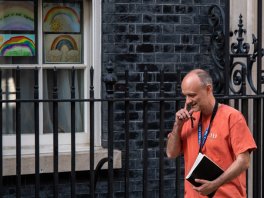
[92, 57]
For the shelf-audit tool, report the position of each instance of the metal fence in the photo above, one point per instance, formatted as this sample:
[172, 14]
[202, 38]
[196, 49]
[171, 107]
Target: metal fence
[250, 105]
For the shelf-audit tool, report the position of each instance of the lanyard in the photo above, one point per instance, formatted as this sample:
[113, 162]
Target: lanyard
[201, 141]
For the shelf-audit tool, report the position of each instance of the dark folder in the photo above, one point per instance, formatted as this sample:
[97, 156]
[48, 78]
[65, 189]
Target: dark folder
[203, 168]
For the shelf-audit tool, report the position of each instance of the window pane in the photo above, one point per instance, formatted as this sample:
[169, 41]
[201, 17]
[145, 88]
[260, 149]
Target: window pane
[9, 93]
[64, 78]
[62, 32]
[18, 32]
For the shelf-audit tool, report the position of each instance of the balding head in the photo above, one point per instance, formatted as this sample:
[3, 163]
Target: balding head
[204, 77]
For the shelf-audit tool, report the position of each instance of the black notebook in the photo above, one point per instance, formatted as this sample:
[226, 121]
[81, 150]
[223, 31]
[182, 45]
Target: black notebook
[203, 168]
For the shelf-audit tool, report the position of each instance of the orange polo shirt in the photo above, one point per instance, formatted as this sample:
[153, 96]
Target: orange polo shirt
[228, 137]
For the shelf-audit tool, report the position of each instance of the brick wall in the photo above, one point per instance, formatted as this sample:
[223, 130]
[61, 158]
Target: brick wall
[152, 34]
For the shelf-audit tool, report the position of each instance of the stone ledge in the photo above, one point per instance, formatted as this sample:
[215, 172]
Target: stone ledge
[46, 160]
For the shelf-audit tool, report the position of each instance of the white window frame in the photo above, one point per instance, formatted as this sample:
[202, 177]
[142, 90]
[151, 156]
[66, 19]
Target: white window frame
[92, 57]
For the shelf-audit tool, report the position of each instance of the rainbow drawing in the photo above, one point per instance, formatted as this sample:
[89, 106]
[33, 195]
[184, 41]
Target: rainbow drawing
[64, 40]
[17, 15]
[18, 45]
[60, 18]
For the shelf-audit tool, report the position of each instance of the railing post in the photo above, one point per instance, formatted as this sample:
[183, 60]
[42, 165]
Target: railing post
[36, 121]
[18, 135]
[73, 141]
[161, 137]
[92, 173]
[178, 159]
[55, 136]
[126, 136]
[145, 135]
[1, 137]
[258, 154]
[110, 80]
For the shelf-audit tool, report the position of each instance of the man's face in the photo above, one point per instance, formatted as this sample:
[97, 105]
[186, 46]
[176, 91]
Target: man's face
[195, 92]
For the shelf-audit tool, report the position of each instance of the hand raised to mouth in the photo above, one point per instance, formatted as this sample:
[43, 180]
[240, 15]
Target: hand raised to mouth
[188, 108]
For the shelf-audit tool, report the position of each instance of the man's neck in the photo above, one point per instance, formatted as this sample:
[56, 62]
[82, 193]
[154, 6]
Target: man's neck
[207, 112]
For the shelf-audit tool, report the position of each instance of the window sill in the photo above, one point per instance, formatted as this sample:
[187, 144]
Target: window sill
[46, 159]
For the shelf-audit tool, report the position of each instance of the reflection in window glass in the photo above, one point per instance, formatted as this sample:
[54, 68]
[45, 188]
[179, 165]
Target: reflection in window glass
[9, 93]
[64, 92]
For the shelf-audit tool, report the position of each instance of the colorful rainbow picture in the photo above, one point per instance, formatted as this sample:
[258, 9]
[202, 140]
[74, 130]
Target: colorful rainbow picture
[61, 17]
[62, 48]
[17, 15]
[17, 45]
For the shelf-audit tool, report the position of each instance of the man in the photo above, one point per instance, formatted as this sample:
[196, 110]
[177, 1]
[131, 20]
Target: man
[216, 130]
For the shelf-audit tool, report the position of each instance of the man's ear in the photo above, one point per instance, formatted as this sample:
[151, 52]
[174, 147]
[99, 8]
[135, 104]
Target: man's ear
[209, 88]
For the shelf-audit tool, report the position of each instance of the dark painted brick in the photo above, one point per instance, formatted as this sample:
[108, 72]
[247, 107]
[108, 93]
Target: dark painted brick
[114, 28]
[168, 9]
[204, 10]
[108, 8]
[201, 20]
[168, 19]
[145, 48]
[128, 38]
[168, 48]
[185, 39]
[187, 2]
[148, 58]
[117, 48]
[187, 58]
[149, 29]
[148, 1]
[132, 29]
[205, 29]
[149, 67]
[208, 2]
[149, 38]
[127, 58]
[168, 1]
[187, 29]
[148, 18]
[186, 20]
[191, 48]
[131, 48]
[199, 39]
[122, 18]
[128, 1]
[168, 38]
[168, 57]
[168, 29]
[121, 8]
[158, 48]
[149, 9]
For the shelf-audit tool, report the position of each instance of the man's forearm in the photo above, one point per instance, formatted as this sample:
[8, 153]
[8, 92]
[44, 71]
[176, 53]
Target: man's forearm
[240, 165]
[174, 142]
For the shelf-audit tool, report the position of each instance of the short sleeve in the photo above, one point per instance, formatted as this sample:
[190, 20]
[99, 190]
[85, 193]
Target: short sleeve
[240, 135]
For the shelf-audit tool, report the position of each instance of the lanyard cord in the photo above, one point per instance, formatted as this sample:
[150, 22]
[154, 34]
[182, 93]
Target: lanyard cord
[201, 141]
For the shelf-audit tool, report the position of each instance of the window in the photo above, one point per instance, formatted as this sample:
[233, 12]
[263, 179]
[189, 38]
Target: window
[47, 34]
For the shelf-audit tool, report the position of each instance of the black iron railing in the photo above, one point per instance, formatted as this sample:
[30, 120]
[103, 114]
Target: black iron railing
[240, 100]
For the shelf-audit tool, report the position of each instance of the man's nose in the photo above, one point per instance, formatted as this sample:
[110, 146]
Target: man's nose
[188, 100]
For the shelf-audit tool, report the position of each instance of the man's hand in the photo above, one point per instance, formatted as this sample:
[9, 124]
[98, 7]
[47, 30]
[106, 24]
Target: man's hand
[206, 188]
[183, 115]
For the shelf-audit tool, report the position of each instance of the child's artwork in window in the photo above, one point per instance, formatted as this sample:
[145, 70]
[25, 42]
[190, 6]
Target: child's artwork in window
[62, 48]
[61, 17]
[17, 45]
[17, 15]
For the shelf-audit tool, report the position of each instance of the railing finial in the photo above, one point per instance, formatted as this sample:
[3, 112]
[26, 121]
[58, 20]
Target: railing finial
[110, 79]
